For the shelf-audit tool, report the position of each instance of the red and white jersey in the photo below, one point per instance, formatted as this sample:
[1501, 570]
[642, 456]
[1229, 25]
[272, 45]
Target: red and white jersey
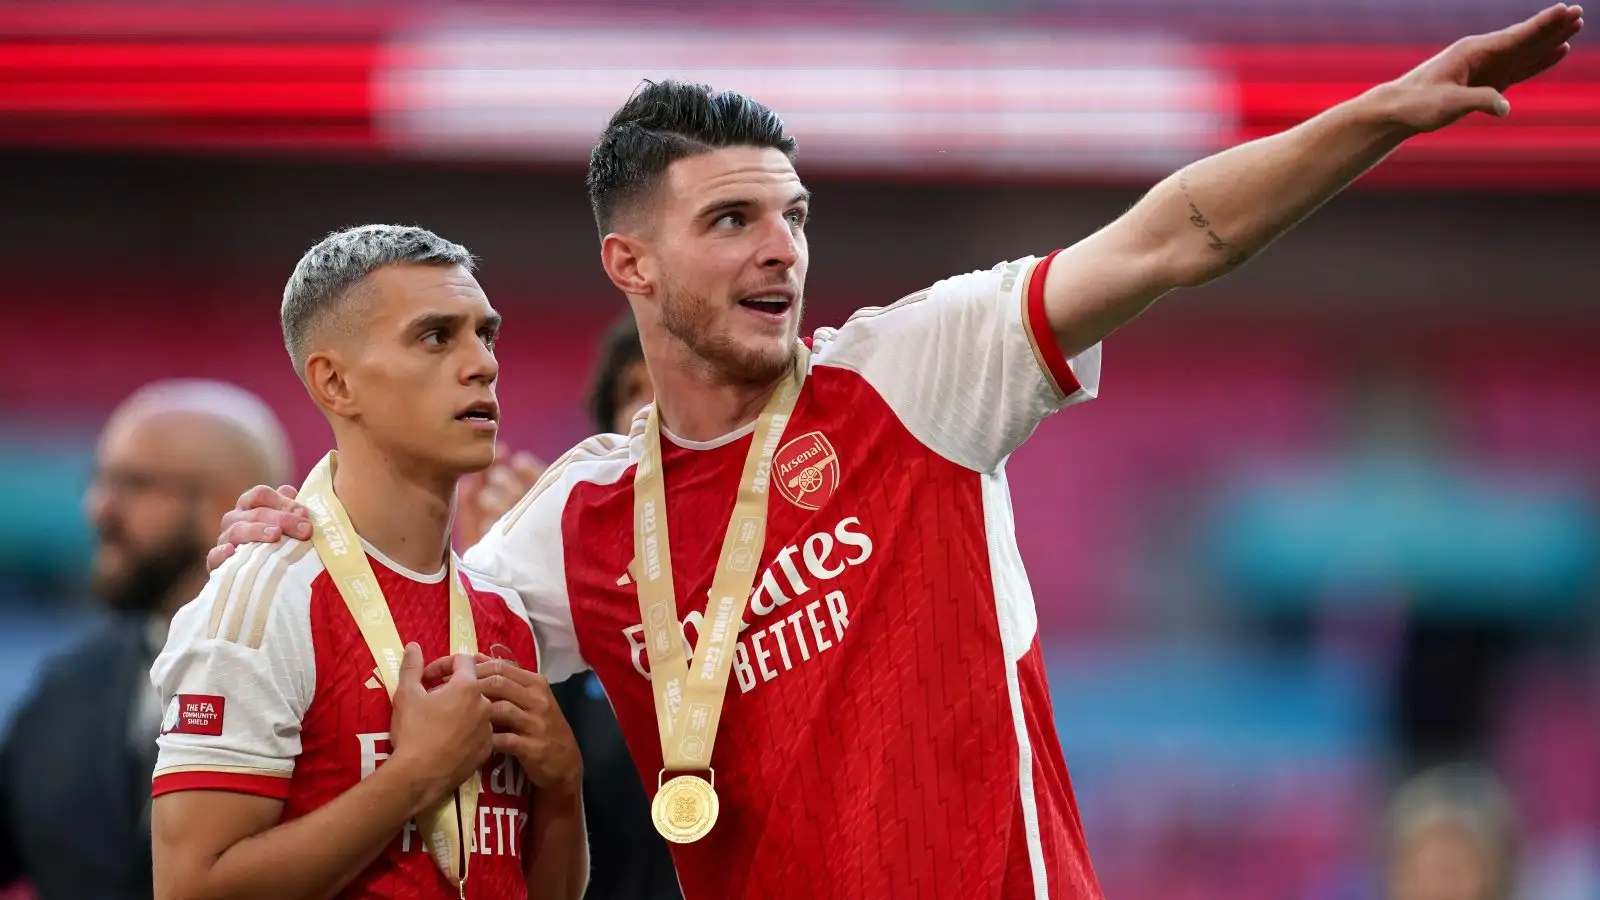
[888, 730]
[269, 689]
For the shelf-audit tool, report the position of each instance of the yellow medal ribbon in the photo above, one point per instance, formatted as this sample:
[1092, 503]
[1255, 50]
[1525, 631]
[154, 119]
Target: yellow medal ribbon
[445, 828]
[689, 700]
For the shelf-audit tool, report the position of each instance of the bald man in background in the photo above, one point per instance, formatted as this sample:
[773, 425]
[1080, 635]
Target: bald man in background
[76, 762]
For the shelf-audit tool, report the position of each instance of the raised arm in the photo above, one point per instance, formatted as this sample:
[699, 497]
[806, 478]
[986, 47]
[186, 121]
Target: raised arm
[1209, 218]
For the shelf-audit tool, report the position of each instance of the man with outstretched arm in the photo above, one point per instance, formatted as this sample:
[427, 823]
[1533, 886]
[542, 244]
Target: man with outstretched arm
[826, 525]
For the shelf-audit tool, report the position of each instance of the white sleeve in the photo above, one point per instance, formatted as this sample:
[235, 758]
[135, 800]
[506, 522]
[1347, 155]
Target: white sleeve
[525, 551]
[969, 365]
[237, 674]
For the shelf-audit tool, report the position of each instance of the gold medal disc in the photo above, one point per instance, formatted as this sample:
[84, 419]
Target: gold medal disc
[684, 809]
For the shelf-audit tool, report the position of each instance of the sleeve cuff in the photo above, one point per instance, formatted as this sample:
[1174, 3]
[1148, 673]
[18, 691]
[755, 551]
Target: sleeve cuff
[1045, 348]
[261, 785]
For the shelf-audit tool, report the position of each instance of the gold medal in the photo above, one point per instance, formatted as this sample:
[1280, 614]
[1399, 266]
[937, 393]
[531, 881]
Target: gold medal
[684, 809]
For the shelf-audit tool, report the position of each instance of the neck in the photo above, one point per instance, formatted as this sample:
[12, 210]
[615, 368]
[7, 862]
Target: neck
[696, 402]
[402, 510]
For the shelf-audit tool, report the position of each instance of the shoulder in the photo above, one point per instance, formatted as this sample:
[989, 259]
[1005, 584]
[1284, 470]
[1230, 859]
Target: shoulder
[877, 328]
[602, 459]
[261, 587]
[487, 587]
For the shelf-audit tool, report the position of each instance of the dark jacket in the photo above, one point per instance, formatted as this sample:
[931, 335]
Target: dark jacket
[628, 859]
[74, 788]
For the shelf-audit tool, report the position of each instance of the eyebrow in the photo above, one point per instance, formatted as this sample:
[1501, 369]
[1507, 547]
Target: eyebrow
[719, 208]
[449, 322]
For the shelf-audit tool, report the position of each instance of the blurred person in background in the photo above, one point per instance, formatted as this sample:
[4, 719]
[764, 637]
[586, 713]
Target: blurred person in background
[76, 763]
[629, 860]
[893, 736]
[1452, 834]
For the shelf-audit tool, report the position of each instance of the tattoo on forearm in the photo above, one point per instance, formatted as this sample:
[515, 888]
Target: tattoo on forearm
[1198, 219]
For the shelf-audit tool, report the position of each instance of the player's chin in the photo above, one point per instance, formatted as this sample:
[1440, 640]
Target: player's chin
[470, 452]
[764, 358]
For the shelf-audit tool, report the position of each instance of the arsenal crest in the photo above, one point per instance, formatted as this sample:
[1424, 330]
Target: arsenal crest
[807, 470]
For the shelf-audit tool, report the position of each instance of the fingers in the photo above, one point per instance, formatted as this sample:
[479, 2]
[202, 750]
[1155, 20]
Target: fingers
[464, 670]
[1551, 25]
[1549, 59]
[1484, 100]
[253, 532]
[491, 669]
[513, 745]
[549, 764]
[443, 667]
[218, 555]
[410, 669]
[507, 716]
[263, 496]
[508, 480]
[262, 524]
[529, 469]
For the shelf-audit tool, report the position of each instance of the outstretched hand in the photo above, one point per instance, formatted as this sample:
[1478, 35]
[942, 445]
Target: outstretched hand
[1472, 74]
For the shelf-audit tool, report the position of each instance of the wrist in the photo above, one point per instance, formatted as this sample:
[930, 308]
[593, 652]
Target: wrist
[1383, 108]
[559, 801]
[421, 786]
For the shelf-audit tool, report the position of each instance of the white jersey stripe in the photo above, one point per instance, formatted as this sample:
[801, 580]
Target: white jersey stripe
[1013, 599]
[281, 564]
[238, 581]
[239, 605]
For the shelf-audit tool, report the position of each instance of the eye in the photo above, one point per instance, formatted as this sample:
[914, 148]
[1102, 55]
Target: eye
[797, 217]
[489, 336]
[731, 220]
[435, 337]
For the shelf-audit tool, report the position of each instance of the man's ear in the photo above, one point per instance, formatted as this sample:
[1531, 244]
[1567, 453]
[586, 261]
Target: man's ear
[329, 384]
[628, 263]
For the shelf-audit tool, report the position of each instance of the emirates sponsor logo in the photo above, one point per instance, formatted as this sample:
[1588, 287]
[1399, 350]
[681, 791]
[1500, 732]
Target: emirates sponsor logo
[801, 614]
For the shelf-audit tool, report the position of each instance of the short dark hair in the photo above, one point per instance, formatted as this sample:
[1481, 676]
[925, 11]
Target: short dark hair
[327, 272]
[665, 121]
[619, 349]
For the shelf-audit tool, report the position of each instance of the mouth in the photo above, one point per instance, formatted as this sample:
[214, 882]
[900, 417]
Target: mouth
[773, 304]
[484, 413]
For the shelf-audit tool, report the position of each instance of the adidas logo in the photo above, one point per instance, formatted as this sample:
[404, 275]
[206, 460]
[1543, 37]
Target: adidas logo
[375, 683]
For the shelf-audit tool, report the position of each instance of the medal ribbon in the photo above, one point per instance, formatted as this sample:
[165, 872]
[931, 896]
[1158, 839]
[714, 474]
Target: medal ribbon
[446, 826]
[689, 700]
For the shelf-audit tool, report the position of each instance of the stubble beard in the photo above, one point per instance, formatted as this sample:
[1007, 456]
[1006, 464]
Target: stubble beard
[692, 319]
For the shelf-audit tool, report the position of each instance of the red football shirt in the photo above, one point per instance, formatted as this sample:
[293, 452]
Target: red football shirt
[270, 689]
[888, 730]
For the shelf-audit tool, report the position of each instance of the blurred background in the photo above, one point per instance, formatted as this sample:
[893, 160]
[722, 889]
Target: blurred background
[1333, 521]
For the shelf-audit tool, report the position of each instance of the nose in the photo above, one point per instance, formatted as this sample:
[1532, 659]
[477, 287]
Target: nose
[780, 249]
[481, 366]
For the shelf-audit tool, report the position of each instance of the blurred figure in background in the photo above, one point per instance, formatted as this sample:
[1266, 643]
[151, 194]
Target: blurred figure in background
[1452, 835]
[76, 762]
[628, 859]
